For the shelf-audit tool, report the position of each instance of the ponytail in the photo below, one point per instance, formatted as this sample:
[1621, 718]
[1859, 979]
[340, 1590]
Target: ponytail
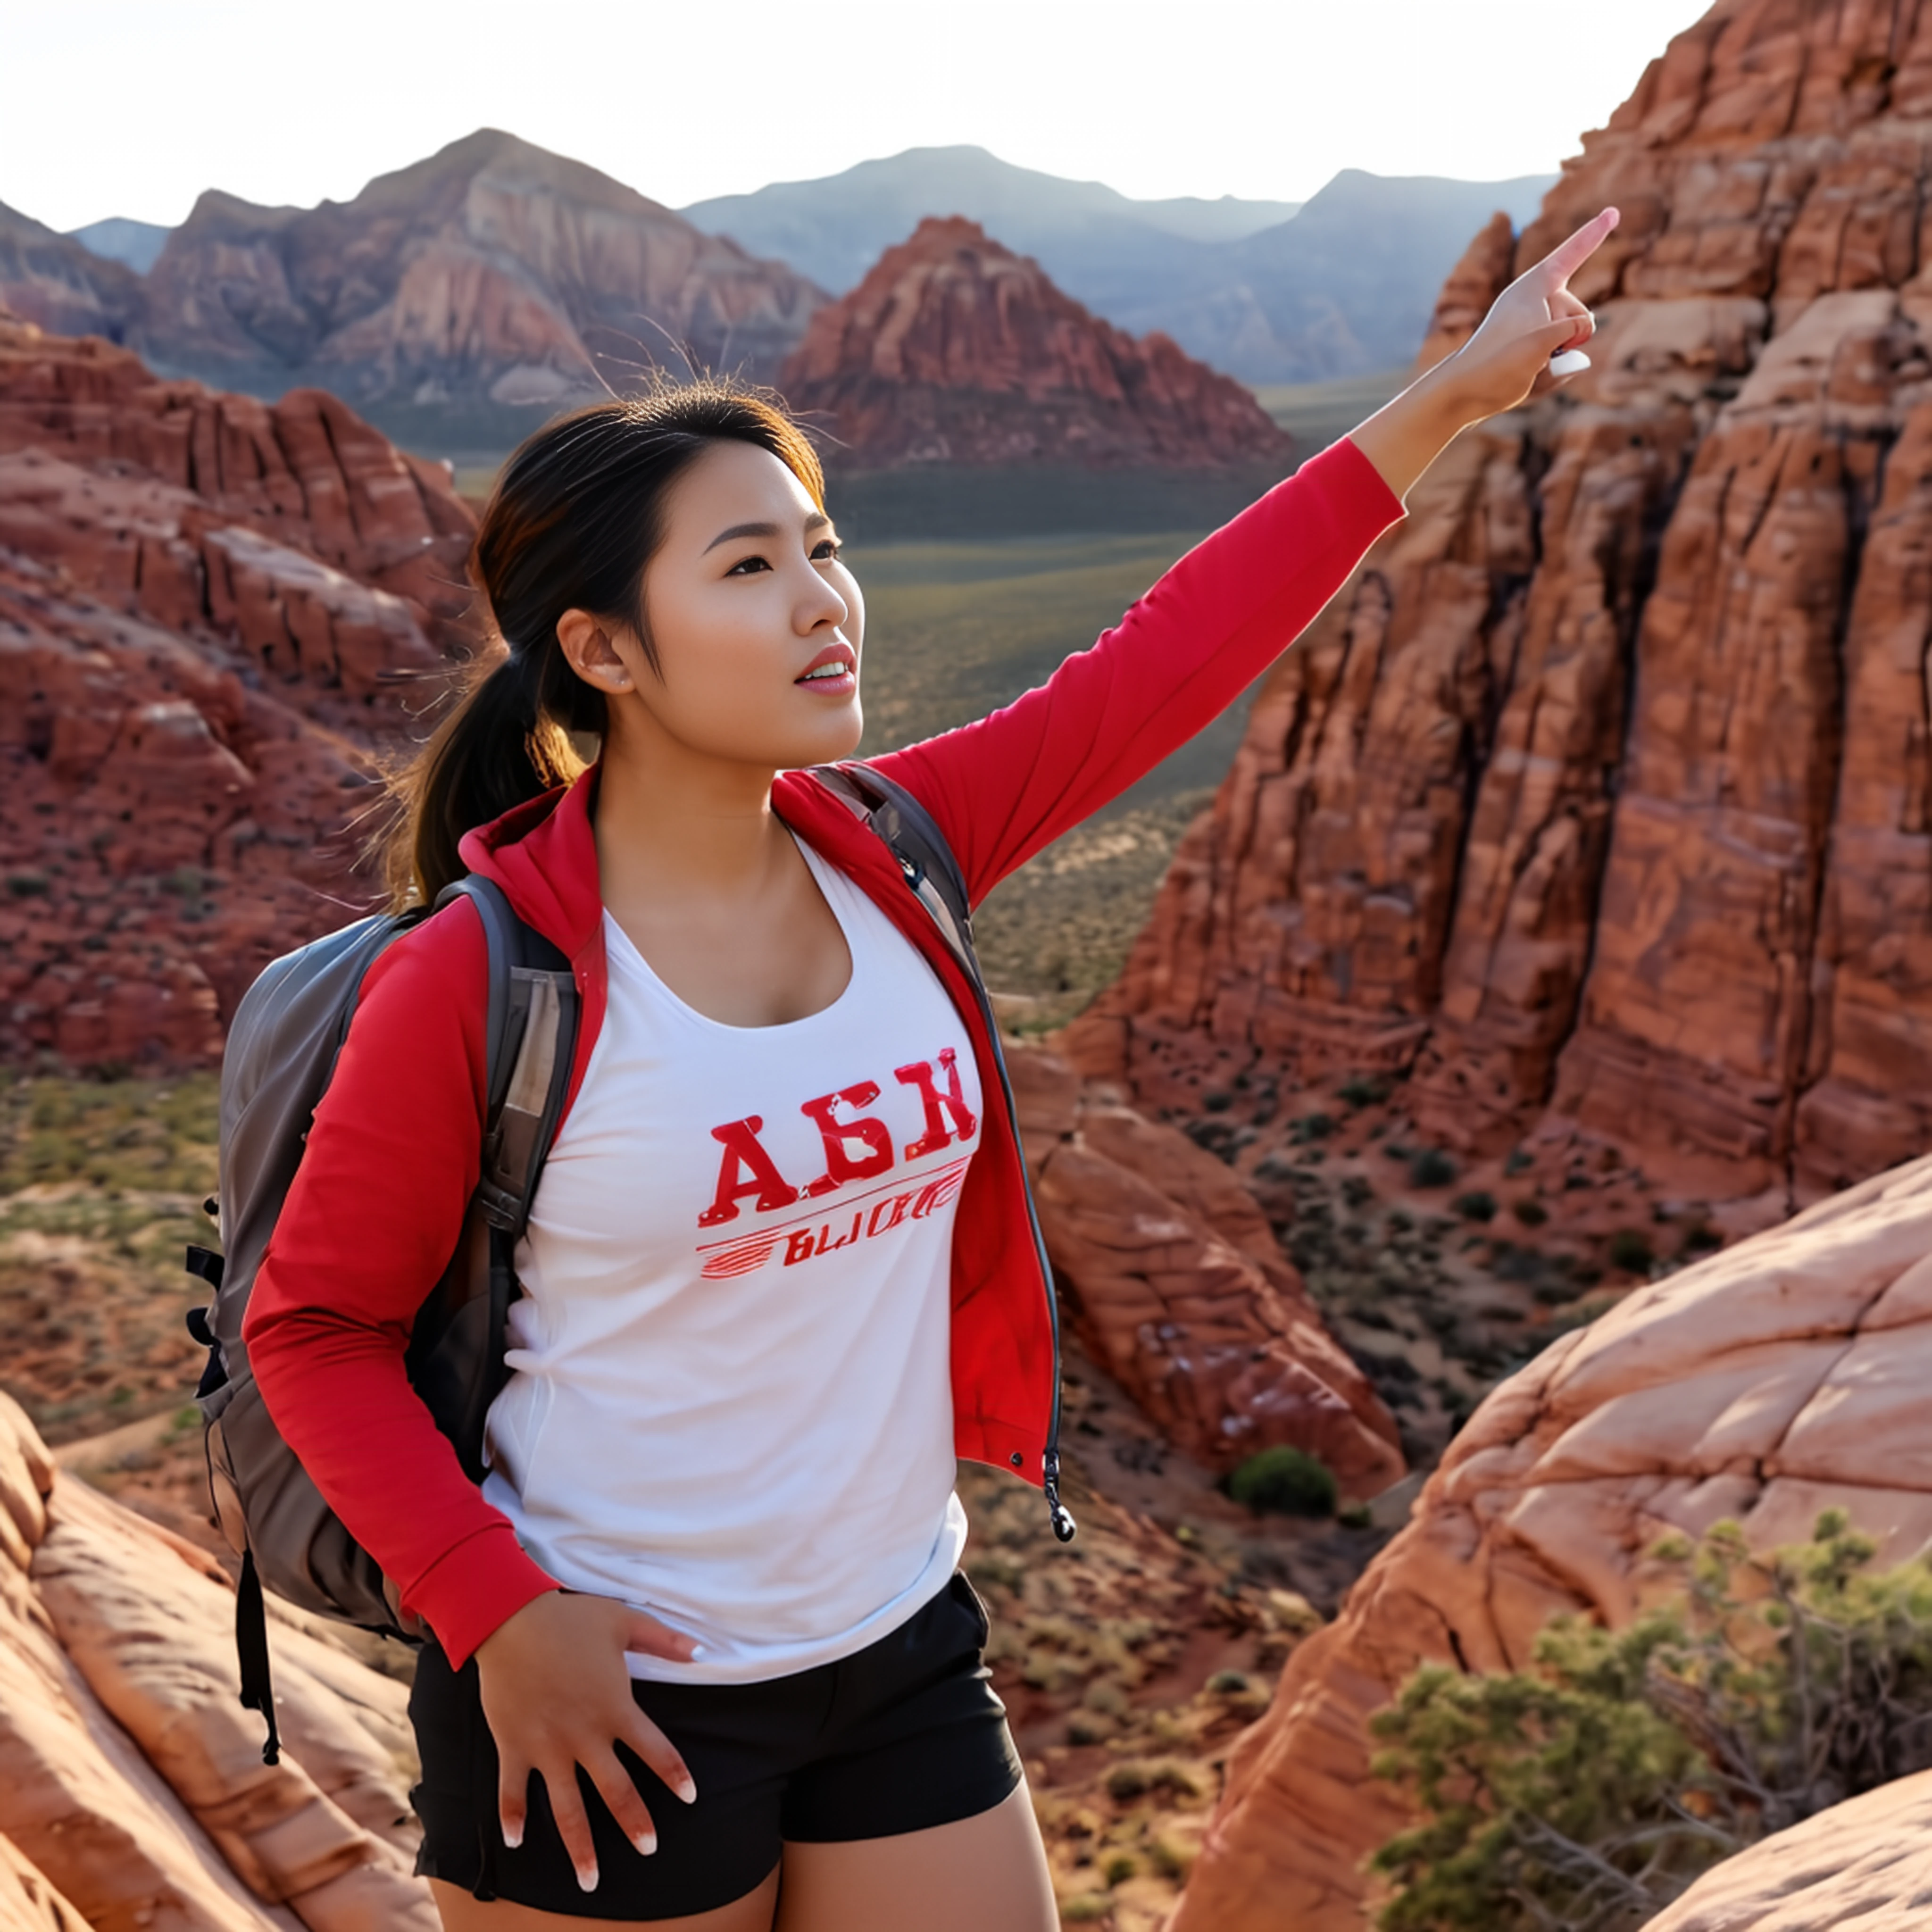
[575, 517]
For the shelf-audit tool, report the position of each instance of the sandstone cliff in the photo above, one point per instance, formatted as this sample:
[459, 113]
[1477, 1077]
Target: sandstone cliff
[490, 282]
[1765, 1384]
[132, 1788]
[1602, 794]
[213, 612]
[954, 350]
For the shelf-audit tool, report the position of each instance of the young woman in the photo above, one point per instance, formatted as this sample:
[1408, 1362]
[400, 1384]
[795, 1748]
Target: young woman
[778, 1271]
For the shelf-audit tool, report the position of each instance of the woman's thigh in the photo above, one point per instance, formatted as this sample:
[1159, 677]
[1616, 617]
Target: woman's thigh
[987, 1873]
[462, 1913]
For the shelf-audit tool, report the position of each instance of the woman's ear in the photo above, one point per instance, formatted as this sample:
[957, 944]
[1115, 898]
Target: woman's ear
[586, 643]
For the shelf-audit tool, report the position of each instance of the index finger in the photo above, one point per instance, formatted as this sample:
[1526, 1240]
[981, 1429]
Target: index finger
[1568, 256]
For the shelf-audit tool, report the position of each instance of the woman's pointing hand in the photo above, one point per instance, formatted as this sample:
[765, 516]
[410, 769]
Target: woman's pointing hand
[1534, 318]
[1505, 361]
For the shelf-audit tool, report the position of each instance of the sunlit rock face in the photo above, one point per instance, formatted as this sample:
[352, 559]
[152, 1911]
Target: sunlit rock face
[1601, 796]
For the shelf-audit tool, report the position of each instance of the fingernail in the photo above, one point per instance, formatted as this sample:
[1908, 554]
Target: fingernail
[586, 1878]
[686, 1790]
[513, 1834]
[646, 1843]
[696, 1650]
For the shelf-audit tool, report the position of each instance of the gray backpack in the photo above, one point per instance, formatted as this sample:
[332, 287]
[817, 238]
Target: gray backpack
[281, 1052]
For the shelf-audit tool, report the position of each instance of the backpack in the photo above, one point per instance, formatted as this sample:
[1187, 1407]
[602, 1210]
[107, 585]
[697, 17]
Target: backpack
[281, 1052]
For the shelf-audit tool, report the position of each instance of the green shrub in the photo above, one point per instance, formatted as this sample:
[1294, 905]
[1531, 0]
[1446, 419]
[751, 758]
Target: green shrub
[1630, 1250]
[1362, 1090]
[1475, 1205]
[1284, 1481]
[1531, 1212]
[1431, 1168]
[1312, 1127]
[1589, 1791]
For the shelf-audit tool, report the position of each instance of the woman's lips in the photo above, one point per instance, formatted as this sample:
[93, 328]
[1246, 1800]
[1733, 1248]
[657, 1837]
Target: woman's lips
[833, 672]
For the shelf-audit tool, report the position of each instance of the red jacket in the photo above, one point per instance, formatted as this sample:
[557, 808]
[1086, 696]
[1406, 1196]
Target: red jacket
[393, 1154]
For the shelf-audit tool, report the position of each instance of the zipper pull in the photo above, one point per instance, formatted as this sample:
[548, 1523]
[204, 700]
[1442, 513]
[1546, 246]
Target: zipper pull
[1064, 1527]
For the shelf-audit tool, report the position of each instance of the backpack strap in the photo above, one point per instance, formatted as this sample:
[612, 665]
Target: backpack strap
[912, 834]
[530, 1040]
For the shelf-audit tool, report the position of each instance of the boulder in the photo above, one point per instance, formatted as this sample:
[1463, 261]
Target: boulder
[1177, 1288]
[1781, 1377]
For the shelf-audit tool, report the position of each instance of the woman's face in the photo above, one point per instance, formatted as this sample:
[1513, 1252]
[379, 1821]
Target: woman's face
[757, 624]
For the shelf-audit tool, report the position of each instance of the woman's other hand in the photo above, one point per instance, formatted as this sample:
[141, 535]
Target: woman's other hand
[1504, 363]
[557, 1694]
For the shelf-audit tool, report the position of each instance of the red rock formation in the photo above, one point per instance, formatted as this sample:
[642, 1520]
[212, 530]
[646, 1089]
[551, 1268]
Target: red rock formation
[1181, 1292]
[1604, 789]
[493, 273]
[132, 1788]
[1783, 1376]
[1866, 1862]
[206, 605]
[954, 350]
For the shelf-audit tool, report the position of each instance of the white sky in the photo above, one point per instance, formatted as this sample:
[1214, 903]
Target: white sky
[132, 106]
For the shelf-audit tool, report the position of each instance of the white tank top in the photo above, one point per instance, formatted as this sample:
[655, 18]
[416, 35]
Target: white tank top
[730, 1402]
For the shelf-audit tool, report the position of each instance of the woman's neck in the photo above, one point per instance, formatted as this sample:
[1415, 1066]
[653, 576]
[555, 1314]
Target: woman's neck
[672, 827]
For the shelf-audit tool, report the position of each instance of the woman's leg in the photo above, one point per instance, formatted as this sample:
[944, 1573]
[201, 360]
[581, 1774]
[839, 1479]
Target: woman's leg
[462, 1913]
[987, 1873]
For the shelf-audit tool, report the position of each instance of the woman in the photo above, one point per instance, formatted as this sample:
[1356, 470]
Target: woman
[777, 1271]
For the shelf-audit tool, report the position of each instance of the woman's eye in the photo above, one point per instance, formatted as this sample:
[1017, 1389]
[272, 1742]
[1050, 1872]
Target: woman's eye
[829, 549]
[748, 566]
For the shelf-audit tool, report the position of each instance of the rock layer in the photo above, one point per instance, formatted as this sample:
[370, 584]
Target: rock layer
[1178, 1288]
[1765, 1384]
[216, 618]
[954, 350]
[1603, 789]
[132, 1788]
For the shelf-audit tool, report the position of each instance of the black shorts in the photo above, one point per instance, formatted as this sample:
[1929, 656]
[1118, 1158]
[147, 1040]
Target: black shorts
[905, 1734]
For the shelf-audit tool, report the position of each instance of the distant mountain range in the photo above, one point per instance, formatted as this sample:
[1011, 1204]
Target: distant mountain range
[835, 229]
[456, 301]
[1267, 291]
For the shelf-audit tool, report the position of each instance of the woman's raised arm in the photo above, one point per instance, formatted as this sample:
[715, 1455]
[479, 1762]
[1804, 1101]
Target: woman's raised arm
[1005, 785]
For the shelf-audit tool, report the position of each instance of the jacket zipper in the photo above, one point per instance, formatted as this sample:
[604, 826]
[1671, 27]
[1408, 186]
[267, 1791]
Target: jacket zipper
[1061, 1517]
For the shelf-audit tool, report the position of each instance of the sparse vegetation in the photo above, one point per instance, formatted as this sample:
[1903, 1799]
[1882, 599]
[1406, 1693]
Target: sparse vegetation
[1476, 1205]
[1286, 1481]
[1586, 1793]
[1630, 1250]
[1430, 1167]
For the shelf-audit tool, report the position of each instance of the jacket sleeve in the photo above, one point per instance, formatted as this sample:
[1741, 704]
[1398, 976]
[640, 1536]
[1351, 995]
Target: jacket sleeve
[1008, 785]
[377, 1204]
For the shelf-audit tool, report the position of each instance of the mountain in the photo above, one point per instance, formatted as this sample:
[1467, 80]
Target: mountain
[48, 278]
[1240, 284]
[1345, 288]
[135, 244]
[472, 291]
[834, 229]
[956, 350]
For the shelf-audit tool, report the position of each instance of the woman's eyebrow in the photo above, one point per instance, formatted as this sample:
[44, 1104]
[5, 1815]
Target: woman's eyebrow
[817, 521]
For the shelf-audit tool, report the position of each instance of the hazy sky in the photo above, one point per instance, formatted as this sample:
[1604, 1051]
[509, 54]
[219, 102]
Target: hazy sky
[132, 106]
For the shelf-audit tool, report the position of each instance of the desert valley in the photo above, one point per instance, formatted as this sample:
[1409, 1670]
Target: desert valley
[1477, 1094]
